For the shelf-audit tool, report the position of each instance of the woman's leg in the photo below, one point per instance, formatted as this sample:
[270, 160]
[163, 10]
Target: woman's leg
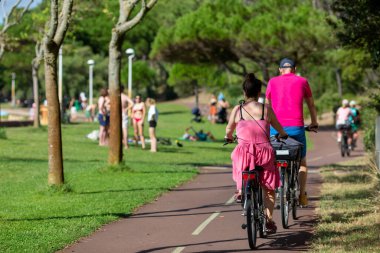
[269, 197]
[153, 139]
[135, 131]
[141, 133]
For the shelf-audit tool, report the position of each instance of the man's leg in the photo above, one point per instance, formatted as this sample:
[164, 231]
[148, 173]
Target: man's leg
[302, 177]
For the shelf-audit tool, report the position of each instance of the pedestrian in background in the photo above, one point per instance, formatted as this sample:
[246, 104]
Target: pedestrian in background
[152, 120]
[138, 117]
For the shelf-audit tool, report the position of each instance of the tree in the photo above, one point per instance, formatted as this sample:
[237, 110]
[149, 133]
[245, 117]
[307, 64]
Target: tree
[124, 24]
[360, 25]
[35, 66]
[11, 18]
[57, 27]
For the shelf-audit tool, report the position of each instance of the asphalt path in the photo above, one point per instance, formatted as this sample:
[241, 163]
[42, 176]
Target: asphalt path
[201, 216]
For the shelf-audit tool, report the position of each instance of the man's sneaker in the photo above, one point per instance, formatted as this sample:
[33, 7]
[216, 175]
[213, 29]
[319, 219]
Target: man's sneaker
[271, 227]
[303, 200]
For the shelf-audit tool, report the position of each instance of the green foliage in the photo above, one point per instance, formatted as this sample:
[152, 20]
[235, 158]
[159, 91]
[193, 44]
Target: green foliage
[359, 25]
[370, 111]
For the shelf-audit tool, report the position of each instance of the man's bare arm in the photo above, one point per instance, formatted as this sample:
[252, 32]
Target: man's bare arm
[313, 112]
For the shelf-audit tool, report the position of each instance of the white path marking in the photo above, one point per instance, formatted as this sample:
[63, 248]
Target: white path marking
[178, 249]
[199, 229]
[315, 159]
[230, 201]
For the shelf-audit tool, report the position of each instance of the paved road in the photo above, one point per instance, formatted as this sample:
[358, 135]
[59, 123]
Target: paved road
[201, 216]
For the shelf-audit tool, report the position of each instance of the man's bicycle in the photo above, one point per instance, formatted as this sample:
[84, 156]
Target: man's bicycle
[288, 161]
[252, 201]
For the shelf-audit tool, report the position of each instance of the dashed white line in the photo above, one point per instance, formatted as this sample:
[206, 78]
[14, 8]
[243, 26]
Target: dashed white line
[230, 201]
[199, 229]
[178, 250]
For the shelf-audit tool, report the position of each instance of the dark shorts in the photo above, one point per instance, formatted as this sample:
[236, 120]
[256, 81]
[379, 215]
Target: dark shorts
[152, 123]
[104, 120]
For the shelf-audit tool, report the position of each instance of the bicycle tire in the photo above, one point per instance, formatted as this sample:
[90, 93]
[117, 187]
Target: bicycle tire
[251, 225]
[342, 148]
[284, 202]
[262, 221]
[294, 186]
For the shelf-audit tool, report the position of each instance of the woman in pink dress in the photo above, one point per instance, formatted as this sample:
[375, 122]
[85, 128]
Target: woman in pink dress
[252, 120]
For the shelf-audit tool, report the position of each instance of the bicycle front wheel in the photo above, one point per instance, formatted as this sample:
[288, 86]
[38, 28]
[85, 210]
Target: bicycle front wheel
[251, 224]
[284, 197]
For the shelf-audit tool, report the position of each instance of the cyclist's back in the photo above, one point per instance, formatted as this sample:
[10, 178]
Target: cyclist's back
[286, 93]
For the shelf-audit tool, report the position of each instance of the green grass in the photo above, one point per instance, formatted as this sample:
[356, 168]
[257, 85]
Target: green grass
[349, 209]
[36, 218]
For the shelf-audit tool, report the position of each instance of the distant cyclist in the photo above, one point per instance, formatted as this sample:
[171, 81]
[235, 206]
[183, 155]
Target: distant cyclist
[343, 120]
[355, 122]
[286, 94]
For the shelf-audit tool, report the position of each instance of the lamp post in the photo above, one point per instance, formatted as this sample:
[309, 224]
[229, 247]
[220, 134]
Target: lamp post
[131, 53]
[91, 64]
[13, 89]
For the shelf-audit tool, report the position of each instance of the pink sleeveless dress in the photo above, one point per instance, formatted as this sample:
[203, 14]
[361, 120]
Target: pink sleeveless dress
[254, 148]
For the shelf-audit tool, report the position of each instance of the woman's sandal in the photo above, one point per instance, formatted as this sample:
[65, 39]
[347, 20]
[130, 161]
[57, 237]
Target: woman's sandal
[271, 227]
[237, 197]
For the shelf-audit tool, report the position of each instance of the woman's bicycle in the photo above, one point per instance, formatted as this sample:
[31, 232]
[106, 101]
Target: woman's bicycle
[344, 147]
[252, 201]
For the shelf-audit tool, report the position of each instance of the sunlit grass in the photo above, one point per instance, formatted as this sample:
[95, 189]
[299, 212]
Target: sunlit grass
[349, 209]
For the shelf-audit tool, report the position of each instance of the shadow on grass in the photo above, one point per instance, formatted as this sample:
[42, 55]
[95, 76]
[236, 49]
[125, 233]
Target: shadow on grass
[357, 178]
[344, 217]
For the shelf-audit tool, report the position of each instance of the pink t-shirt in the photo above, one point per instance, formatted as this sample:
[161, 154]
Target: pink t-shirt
[342, 115]
[286, 93]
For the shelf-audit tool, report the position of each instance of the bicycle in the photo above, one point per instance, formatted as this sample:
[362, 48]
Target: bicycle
[288, 161]
[253, 204]
[344, 147]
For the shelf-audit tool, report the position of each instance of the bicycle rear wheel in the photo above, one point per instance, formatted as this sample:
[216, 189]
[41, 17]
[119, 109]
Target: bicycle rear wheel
[294, 186]
[262, 221]
[251, 223]
[284, 197]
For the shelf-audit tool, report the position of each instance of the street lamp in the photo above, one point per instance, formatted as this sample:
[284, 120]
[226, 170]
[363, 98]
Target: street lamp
[131, 53]
[91, 64]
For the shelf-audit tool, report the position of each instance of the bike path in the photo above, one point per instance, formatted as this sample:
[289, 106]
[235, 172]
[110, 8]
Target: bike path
[201, 216]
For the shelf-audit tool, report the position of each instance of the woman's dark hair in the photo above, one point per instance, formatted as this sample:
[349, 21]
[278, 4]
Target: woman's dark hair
[251, 86]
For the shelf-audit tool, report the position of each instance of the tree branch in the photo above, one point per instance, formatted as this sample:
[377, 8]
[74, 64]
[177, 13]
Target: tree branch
[126, 7]
[53, 20]
[64, 21]
[6, 22]
[136, 19]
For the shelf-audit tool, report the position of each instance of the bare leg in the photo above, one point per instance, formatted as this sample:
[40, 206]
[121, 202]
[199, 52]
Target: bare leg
[141, 134]
[303, 176]
[101, 135]
[153, 139]
[125, 137]
[135, 132]
[269, 197]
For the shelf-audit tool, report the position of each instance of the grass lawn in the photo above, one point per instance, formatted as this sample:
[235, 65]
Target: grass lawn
[36, 218]
[349, 209]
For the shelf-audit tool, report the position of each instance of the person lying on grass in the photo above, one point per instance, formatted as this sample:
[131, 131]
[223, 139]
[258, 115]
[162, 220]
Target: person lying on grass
[198, 135]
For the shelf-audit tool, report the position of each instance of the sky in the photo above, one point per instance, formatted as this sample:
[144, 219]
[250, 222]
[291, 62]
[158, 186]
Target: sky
[9, 3]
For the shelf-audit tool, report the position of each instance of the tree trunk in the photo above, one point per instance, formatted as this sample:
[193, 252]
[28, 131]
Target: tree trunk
[115, 155]
[36, 119]
[196, 93]
[55, 176]
[339, 82]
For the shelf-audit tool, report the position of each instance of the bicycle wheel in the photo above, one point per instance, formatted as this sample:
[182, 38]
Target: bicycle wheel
[251, 223]
[284, 197]
[262, 221]
[343, 147]
[294, 189]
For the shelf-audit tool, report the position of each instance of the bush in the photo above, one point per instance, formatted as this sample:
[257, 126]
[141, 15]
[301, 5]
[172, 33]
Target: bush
[369, 113]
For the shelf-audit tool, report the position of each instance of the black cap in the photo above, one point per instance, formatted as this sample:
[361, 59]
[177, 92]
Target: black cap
[287, 63]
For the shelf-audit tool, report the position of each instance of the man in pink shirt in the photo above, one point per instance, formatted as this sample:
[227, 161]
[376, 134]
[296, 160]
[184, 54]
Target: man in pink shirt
[286, 94]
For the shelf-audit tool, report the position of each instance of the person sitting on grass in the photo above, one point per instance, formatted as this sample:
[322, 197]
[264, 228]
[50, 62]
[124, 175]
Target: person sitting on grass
[198, 135]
